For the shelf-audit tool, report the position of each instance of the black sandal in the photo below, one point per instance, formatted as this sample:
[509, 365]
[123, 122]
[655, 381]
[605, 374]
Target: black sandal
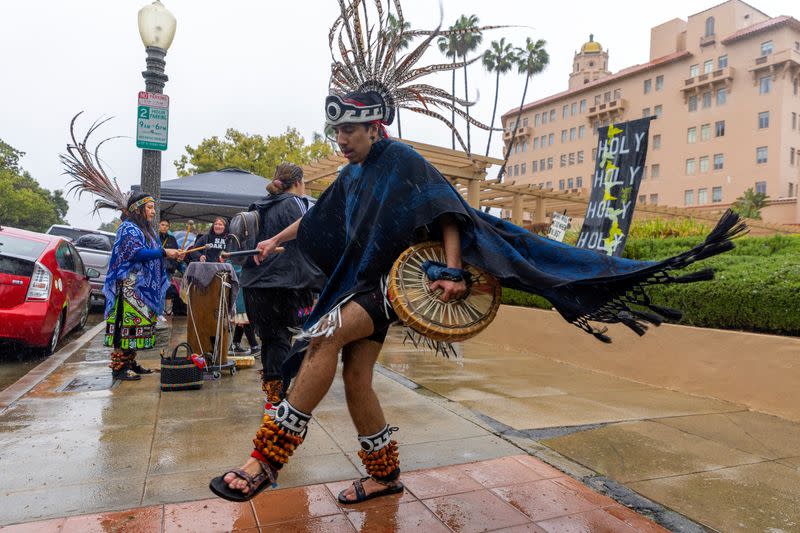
[362, 496]
[256, 484]
[139, 369]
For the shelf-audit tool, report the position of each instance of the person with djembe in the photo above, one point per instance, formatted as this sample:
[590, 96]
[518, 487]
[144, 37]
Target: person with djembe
[136, 281]
[387, 200]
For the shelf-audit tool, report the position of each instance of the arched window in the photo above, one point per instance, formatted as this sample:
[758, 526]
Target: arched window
[709, 26]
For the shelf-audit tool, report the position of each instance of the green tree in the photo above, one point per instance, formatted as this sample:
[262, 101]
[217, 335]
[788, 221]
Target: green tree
[531, 60]
[499, 58]
[396, 32]
[110, 226]
[750, 204]
[25, 204]
[253, 153]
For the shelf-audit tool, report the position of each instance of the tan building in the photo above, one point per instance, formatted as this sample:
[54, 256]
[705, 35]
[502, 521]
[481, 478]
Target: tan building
[725, 86]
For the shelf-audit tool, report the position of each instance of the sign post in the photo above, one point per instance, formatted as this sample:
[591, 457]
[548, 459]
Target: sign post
[152, 122]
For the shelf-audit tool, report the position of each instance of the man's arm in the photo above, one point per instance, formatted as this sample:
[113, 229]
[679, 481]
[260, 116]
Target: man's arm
[268, 246]
[451, 235]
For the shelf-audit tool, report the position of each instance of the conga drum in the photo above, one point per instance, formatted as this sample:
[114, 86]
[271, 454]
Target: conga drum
[419, 308]
[207, 287]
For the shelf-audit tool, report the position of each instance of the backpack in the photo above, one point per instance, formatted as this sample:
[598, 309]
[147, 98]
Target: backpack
[243, 229]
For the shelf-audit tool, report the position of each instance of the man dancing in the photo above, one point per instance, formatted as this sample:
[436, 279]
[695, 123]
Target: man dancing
[386, 199]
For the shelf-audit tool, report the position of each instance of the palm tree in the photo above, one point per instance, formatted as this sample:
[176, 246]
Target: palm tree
[467, 40]
[499, 58]
[447, 45]
[531, 59]
[749, 204]
[394, 30]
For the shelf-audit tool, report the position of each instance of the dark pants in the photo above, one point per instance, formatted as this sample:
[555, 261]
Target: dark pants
[246, 329]
[273, 312]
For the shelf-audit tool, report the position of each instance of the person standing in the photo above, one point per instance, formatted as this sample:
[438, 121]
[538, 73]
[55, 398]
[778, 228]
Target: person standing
[135, 287]
[215, 241]
[279, 293]
[167, 240]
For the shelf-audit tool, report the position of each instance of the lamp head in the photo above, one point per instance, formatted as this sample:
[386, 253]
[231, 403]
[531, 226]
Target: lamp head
[156, 25]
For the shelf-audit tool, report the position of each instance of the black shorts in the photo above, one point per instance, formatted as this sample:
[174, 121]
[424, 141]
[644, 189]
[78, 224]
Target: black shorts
[375, 304]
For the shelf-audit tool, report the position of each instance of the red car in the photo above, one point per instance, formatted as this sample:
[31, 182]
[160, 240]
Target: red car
[44, 288]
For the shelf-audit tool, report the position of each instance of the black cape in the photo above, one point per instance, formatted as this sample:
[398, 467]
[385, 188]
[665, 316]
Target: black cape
[375, 210]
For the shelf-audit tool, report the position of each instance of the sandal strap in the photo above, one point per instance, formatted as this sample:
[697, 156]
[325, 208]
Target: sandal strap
[360, 492]
[267, 471]
[243, 475]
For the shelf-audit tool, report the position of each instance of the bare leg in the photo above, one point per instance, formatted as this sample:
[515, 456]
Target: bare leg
[317, 373]
[362, 402]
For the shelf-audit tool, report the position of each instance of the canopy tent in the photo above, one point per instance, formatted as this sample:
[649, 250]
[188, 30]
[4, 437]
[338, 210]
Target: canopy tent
[203, 196]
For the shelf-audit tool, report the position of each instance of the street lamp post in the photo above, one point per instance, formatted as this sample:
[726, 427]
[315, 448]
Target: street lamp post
[157, 29]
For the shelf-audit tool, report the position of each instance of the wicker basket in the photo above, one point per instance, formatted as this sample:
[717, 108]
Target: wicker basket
[180, 373]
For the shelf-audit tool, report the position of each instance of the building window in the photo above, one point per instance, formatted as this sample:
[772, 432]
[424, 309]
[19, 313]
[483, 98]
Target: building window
[579, 182]
[764, 84]
[536, 120]
[535, 143]
[535, 166]
[766, 48]
[522, 168]
[796, 84]
[565, 111]
[549, 185]
[524, 145]
[646, 112]
[549, 163]
[761, 155]
[542, 164]
[572, 133]
[719, 128]
[716, 195]
[570, 183]
[688, 197]
[691, 135]
[551, 139]
[704, 164]
[659, 83]
[705, 132]
[583, 106]
[706, 99]
[594, 155]
[525, 122]
[702, 196]
[694, 70]
[597, 99]
[654, 199]
[644, 172]
[709, 26]
[544, 141]
[791, 157]
[722, 61]
[581, 132]
[708, 66]
[607, 96]
[563, 136]
[719, 161]
[573, 109]
[655, 171]
[552, 115]
[617, 94]
[580, 156]
[761, 186]
[571, 159]
[692, 103]
[561, 184]
[794, 120]
[516, 170]
[656, 142]
[722, 96]
[563, 160]
[648, 85]
[657, 110]
[690, 165]
[642, 198]
[544, 118]
[763, 120]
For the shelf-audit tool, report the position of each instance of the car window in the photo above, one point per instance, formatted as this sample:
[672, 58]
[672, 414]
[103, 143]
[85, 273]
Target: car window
[64, 257]
[21, 247]
[69, 233]
[76, 257]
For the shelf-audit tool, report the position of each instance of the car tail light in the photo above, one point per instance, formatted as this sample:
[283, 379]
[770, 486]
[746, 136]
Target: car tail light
[41, 281]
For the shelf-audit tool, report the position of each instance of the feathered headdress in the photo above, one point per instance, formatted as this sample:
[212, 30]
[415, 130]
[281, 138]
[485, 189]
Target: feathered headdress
[87, 172]
[365, 60]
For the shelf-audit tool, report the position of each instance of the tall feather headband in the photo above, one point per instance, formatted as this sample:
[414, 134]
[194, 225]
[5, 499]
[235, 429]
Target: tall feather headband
[87, 173]
[365, 59]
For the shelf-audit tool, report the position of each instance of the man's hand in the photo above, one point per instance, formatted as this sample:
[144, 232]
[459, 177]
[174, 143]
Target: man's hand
[451, 290]
[265, 248]
[173, 253]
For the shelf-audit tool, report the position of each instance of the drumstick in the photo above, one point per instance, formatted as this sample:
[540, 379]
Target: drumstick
[196, 249]
[186, 237]
[240, 253]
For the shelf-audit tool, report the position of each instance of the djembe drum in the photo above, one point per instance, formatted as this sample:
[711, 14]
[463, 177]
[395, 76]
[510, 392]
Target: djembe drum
[420, 308]
[208, 297]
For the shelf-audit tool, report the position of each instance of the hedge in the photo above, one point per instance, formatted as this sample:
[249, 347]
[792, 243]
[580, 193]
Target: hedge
[756, 288]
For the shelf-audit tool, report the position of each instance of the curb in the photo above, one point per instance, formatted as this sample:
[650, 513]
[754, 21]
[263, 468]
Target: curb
[36, 375]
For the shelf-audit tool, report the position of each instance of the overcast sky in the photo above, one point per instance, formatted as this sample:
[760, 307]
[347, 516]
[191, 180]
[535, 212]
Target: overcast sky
[260, 66]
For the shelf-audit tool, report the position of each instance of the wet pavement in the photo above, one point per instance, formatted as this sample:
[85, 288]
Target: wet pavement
[78, 443]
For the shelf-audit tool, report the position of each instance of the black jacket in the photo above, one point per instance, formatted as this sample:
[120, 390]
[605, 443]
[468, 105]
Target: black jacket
[168, 241]
[218, 245]
[287, 270]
